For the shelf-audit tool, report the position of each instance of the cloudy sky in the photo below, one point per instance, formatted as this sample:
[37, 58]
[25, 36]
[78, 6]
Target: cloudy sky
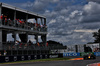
[69, 21]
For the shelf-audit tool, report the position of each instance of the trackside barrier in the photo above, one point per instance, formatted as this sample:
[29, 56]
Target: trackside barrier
[28, 57]
[80, 54]
[56, 55]
[97, 53]
[85, 53]
[71, 54]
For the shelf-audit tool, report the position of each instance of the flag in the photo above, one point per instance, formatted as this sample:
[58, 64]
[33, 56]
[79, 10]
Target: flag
[38, 44]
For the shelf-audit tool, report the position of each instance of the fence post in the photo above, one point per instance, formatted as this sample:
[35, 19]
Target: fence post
[76, 48]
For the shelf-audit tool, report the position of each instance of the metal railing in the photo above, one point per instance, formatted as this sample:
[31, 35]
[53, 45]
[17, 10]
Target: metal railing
[22, 49]
[22, 46]
[26, 25]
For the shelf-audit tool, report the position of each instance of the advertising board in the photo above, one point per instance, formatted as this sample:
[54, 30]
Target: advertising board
[85, 53]
[97, 53]
[71, 54]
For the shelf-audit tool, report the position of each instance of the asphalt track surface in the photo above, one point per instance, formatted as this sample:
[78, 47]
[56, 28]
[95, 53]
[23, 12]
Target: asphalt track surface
[57, 63]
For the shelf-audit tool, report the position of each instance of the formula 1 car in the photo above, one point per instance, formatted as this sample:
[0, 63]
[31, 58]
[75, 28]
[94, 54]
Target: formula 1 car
[89, 56]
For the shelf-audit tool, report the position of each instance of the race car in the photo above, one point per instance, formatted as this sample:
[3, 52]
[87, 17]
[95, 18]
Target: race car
[89, 56]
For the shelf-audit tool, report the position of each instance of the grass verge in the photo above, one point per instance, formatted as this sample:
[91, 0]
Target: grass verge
[37, 60]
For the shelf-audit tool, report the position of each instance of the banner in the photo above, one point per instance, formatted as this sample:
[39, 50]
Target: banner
[60, 55]
[71, 54]
[85, 53]
[97, 53]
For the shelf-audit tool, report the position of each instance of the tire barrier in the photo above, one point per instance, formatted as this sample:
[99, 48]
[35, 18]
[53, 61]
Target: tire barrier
[28, 57]
[22, 57]
[40, 56]
[15, 58]
[6, 59]
[35, 56]
[46, 56]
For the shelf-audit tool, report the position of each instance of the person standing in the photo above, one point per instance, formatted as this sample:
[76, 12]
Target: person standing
[2, 18]
[0, 53]
[5, 53]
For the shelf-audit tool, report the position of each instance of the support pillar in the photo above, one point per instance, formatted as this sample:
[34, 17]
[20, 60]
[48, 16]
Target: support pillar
[41, 21]
[44, 21]
[99, 44]
[84, 48]
[36, 38]
[1, 45]
[36, 24]
[23, 37]
[14, 34]
[26, 20]
[45, 38]
[0, 13]
[36, 20]
[15, 18]
[76, 48]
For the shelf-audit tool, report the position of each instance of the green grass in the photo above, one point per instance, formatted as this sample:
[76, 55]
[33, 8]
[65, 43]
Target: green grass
[37, 60]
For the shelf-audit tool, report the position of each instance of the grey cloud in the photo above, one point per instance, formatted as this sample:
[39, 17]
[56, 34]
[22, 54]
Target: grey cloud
[91, 12]
[62, 29]
[91, 18]
[90, 25]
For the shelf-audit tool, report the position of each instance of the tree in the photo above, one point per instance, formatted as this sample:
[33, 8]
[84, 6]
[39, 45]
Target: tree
[96, 35]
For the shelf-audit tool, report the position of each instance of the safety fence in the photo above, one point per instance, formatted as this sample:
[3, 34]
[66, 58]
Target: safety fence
[80, 54]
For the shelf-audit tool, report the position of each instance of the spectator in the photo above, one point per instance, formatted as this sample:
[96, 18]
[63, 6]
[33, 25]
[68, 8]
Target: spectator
[9, 47]
[47, 44]
[17, 42]
[41, 26]
[1, 16]
[20, 46]
[38, 44]
[25, 46]
[13, 47]
[6, 21]
[10, 22]
[0, 53]
[5, 53]
[17, 22]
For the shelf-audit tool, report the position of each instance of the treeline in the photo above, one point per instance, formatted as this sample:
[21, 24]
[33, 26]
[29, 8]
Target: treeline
[96, 35]
[53, 42]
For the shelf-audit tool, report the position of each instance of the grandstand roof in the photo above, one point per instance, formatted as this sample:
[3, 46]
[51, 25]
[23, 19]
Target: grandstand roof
[20, 10]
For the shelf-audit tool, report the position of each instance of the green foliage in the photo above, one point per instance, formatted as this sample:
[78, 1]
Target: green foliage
[96, 35]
